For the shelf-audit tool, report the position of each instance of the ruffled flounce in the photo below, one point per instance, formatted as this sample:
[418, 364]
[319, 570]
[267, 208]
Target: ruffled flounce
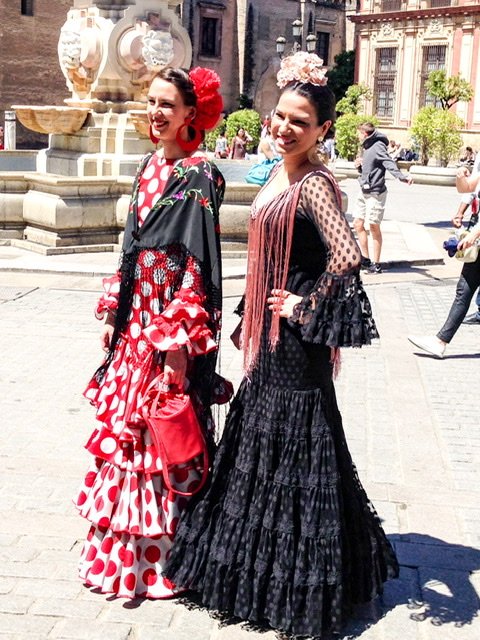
[182, 324]
[109, 299]
[118, 397]
[134, 519]
[337, 313]
[126, 565]
[132, 502]
[285, 535]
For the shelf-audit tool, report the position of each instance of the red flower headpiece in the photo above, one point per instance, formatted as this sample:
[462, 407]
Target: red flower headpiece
[209, 101]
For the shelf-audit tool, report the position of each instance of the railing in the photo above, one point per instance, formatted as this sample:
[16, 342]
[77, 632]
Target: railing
[433, 4]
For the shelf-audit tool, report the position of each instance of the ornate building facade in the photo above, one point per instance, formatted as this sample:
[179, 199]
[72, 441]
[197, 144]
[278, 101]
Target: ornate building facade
[238, 39]
[325, 19]
[399, 42]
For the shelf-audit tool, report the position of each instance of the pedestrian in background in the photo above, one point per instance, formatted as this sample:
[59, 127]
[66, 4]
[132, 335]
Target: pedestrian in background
[238, 146]
[221, 146]
[468, 157]
[285, 534]
[267, 121]
[2, 139]
[329, 147]
[266, 147]
[162, 312]
[370, 205]
[469, 200]
[467, 284]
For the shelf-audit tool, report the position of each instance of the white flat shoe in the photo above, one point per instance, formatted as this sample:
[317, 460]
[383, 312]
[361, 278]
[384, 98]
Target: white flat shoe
[430, 344]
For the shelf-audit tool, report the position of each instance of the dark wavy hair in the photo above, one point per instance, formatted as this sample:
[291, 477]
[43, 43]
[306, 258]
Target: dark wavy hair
[321, 98]
[181, 80]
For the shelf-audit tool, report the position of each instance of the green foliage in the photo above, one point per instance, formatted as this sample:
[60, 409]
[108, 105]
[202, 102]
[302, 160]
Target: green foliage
[447, 140]
[341, 76]
[437, 132]
[355, 96]
[423, 132]
[211, 136]
[247, 119]
[346, 136]
[449, 90]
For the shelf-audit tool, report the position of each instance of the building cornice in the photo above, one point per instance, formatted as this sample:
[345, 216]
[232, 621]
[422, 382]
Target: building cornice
[412, 14]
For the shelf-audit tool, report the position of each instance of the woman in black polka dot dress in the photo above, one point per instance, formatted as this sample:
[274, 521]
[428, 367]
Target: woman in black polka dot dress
[285, 534]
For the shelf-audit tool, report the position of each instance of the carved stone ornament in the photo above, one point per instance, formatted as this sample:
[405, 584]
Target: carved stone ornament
[80, 52]
[157, 50]
[436, 26]
[387, 30]
[70, 45]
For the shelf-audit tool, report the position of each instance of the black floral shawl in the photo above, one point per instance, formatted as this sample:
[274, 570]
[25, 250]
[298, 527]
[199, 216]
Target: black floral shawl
[188, 214]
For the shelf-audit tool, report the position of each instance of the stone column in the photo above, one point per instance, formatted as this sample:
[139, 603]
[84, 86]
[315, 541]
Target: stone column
[10, 129]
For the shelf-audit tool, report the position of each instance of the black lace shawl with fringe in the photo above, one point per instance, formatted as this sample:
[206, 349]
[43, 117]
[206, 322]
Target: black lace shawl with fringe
[186, 214]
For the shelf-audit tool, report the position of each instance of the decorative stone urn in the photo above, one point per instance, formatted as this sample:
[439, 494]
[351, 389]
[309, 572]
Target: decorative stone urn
[108, 52]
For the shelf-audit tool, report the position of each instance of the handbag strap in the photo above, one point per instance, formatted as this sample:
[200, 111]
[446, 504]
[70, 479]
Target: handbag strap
[170, 487]
[157, 385]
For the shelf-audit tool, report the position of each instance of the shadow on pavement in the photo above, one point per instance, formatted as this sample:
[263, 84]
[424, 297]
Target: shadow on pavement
[434, 584]
[439, 224]
[455, 356]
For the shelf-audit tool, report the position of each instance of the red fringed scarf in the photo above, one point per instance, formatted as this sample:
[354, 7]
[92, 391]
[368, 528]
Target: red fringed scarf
[269, 244]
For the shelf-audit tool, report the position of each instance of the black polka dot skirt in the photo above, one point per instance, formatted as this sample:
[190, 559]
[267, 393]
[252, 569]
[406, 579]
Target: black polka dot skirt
[285, 535]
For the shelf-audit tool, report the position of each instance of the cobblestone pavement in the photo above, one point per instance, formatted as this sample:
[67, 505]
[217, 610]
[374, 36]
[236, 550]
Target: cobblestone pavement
[411, 421]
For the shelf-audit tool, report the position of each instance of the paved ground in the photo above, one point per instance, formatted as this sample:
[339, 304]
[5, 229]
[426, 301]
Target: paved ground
[411, 421]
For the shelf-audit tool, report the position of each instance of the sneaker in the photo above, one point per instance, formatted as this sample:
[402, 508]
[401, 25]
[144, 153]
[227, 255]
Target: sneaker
[365, 263]
[473, 318]
[430, 344]
[374, 268]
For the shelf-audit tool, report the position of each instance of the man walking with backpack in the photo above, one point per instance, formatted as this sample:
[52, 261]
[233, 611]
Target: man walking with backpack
[370, 206]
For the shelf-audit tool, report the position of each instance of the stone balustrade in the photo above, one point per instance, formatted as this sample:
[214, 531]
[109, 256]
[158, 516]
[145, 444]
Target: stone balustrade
[49, 212]
[54, 211]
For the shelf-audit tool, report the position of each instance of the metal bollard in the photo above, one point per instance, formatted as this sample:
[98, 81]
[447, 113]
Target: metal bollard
[10, 131]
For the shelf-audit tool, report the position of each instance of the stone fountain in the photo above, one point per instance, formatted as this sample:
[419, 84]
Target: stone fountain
[108, 53]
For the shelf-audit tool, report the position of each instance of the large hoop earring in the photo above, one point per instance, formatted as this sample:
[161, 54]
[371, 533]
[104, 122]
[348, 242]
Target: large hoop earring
[189, 145]
[153, 137]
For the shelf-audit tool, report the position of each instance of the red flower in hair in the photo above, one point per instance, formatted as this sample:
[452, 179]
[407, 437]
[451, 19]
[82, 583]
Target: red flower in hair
[209, 101]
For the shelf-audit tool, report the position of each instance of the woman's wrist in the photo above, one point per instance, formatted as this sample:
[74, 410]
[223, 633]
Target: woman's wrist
[111, 316]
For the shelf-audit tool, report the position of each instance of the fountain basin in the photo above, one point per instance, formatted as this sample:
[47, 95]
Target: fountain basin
[61, 120]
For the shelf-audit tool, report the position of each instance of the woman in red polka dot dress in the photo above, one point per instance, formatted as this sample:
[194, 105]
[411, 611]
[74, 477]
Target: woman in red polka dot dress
[162, 313]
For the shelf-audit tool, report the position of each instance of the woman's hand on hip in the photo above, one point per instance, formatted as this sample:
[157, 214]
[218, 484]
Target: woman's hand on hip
[283, 302]
[175, 368]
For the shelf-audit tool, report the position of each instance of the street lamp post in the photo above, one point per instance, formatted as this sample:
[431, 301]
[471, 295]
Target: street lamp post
[297, 32]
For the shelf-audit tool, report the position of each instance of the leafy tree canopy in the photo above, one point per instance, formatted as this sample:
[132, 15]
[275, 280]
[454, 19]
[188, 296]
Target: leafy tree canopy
[346, 133]
[341, 76]
[354, 99]
[448, 89]
[437, 132]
